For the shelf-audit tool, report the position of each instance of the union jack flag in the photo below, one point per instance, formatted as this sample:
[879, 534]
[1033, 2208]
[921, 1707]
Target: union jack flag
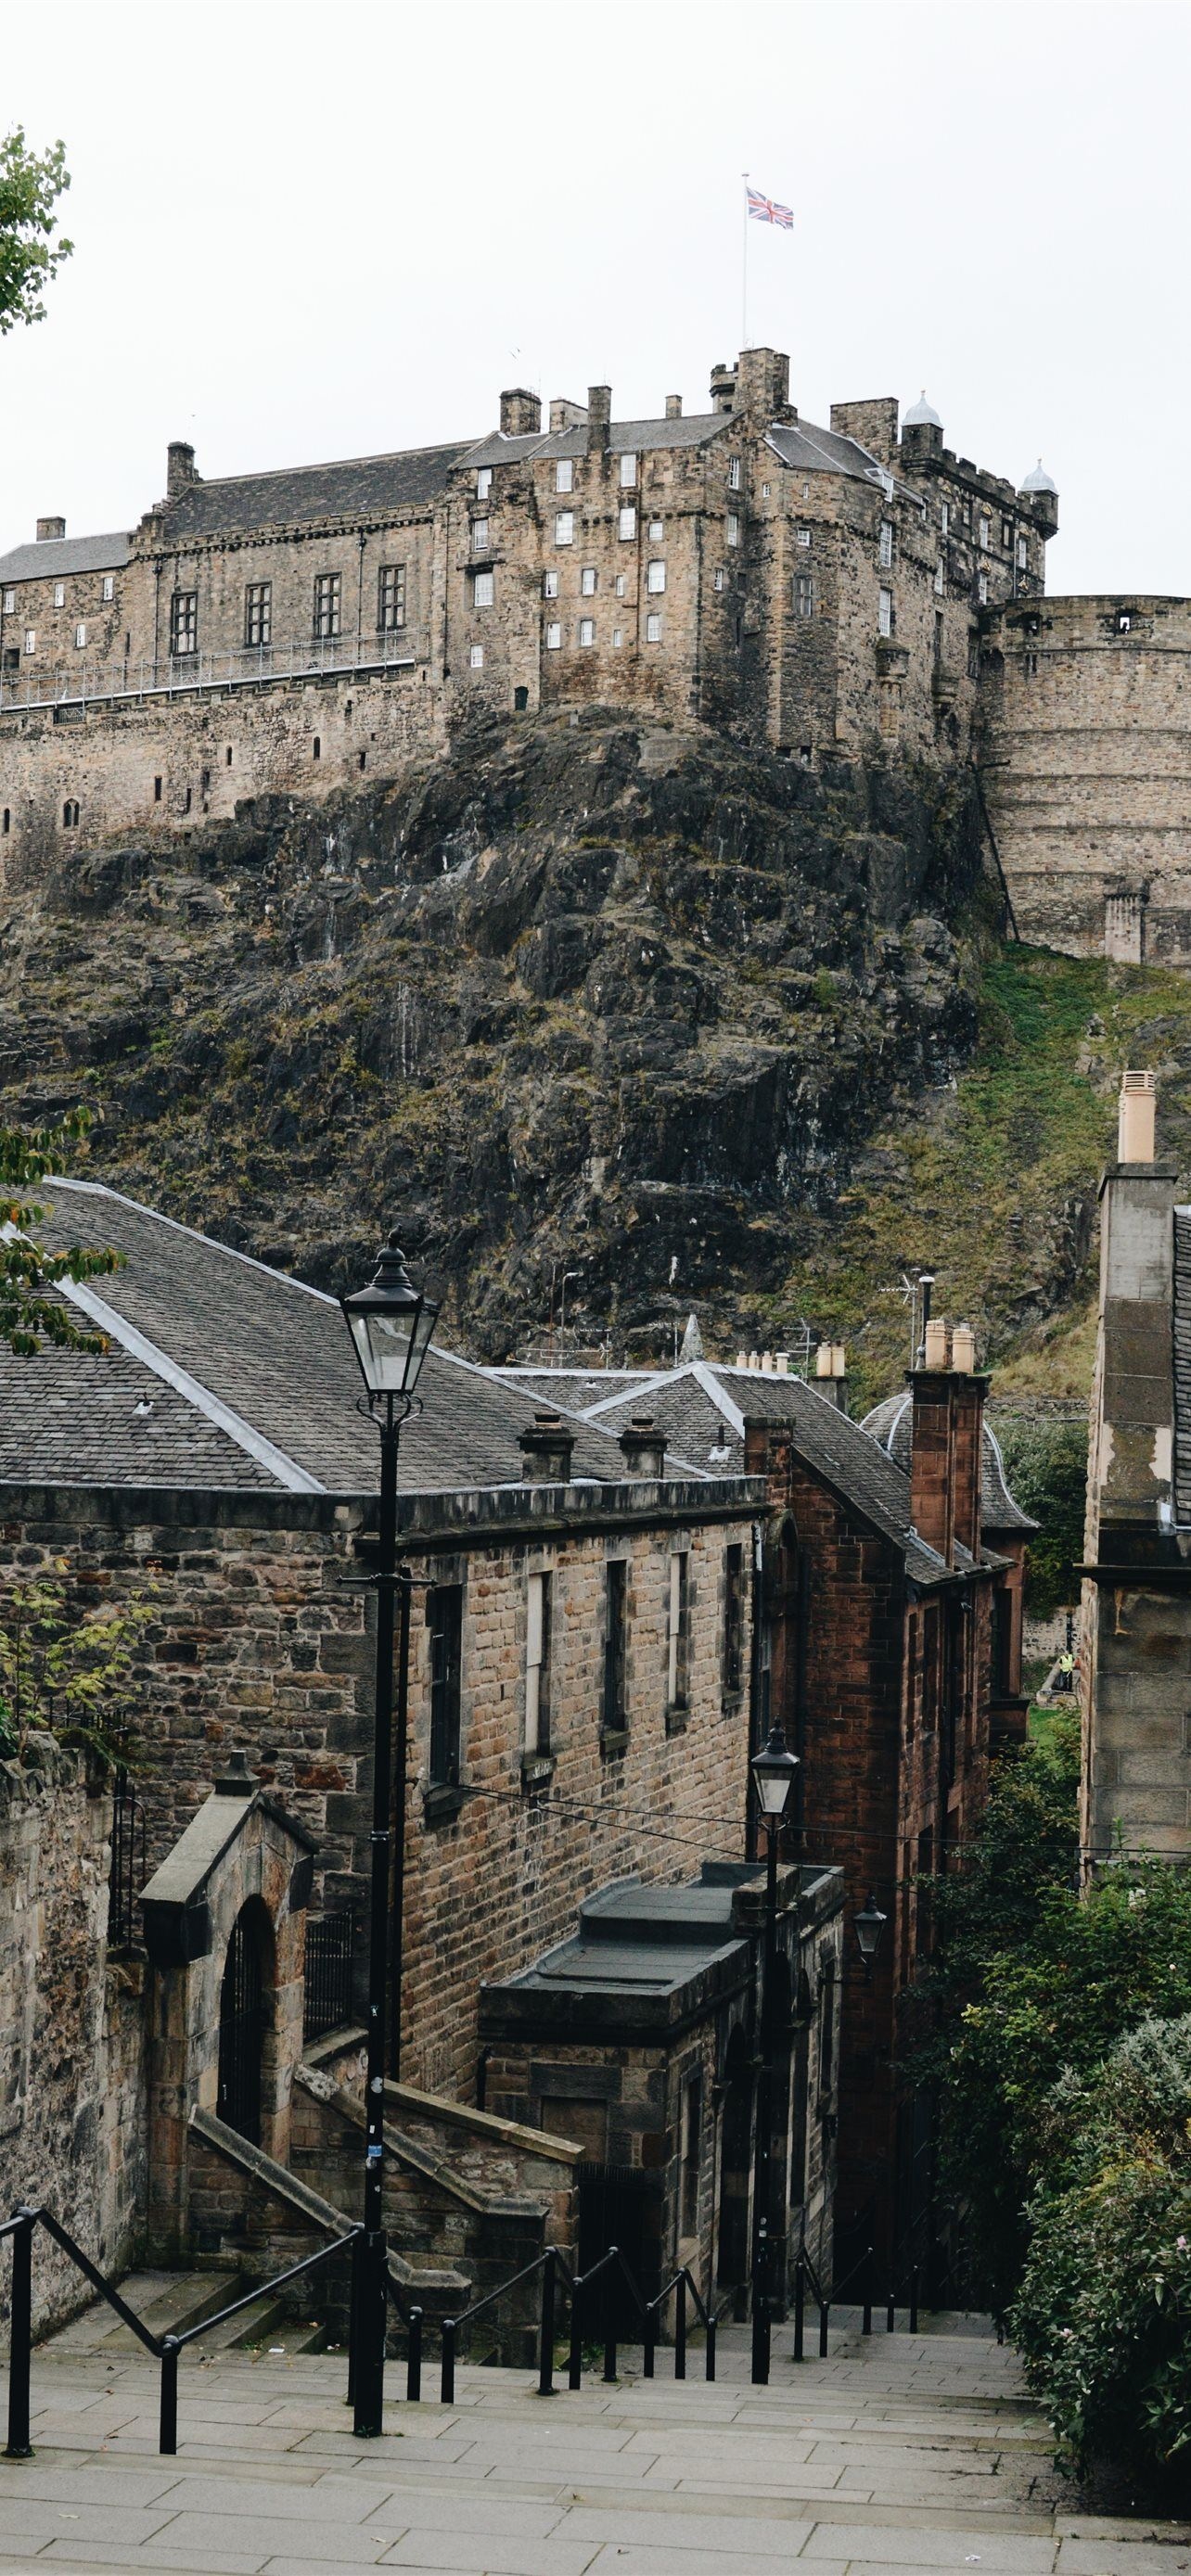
[765, 210]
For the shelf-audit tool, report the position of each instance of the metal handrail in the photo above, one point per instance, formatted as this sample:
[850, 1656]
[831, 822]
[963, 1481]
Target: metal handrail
[168, 675]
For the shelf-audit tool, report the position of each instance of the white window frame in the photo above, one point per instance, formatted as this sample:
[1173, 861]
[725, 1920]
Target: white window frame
[537, 1663]
[553, 637]
[734, 474]
[940, 578]
[10, 601]
[59, 594]
[617, 638]
[717, 578]
[655, 578]
[884, 611]
[481, 532]
[483, 482]
[107, 588]
[885, 546]
[628, 469]
[586, 632]
[983, 531]
[626, 524]
[802, 596]
[550, 585]
[31, 639]
[982, 588]
[564, 474]
[587, 582]
[80, 637]
[732, 529]
[564, 527]
[476, 657]
[483, 589]
[653, 627]
[765, 491]
[1023, 554]
[657, 530]
[621, 586]
[802, 536]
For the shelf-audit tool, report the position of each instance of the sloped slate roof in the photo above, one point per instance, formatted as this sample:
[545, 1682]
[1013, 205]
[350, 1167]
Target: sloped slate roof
[52, 557]
[891, 1424]
[367, 487]
[809, 450]
[258, 1360]
[632, 437]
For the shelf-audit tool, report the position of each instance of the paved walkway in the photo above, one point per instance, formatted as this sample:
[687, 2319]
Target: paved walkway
[903, 2453]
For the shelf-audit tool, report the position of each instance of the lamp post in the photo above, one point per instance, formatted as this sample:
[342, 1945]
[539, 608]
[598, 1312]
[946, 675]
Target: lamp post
[773, 1770]
[390, 1323]
[869, 1923]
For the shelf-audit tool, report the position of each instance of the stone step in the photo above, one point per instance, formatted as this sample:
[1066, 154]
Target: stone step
[165, 2302]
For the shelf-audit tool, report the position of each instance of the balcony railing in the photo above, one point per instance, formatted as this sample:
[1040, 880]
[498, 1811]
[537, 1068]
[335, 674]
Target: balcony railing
[82, 684]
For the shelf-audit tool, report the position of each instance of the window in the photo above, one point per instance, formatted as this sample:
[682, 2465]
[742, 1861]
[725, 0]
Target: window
[692, 2134]
[982, 589]
[316, 753]
[940, 577]
[1123, 621]
[483, 482]
[765, 491]
[587, 581]
[1002, 1640]
[984, 532]
[802, 536]
[621, 586]
[804, 594]
[734, 474]
[1023, 554]
[31, 639]
[733, 529]
[328, 593]
[653, 628]
[553, 638]
[80, 638]
[676, 1630]
[6, 820]
[483, 589]
[628, 470]
[885, 546]
[550, 585]
[157, 791]
[258, 612]
[480, 531]
[229, 755]
[184, 622]
[537, 1664]
[626, 525]
[655, 579]
[564, 527]
[733, 1618]
[1006, 533]
[938, 634]
[717, 578]
[564, 475]
[944, 517]
[107, 588]
[10, 601]
[656, 532]
[59, 594]
[587, 630]
[967, 514]
[615, 1641]
[885, 612]
[390, 598]
[617, 638]
[444, 1617]
[70, 814]
[476, 657]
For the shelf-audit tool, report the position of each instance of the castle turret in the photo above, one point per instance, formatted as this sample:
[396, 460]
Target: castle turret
[1042, 493]
[922, 431]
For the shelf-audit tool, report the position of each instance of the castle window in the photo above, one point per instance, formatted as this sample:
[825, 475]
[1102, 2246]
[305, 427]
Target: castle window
[732, 530]
[655, 578]
[967, 514]
[184, 622]
[940, 578]
[59, 594]
[802, 536]
[31, 639]
[6, 820]
[520, 701]
[982, 588]
[316, 753]
[362, 759]
[587, 630]
[621, 586]
[10, 601]
[626, 525]
[587, 581]
[564, 527]
[938, 635]
[885, 548]
[480, 536]
[80, 638]
[483, 589]
[1006, 533]
[229, 755]
[944, 517]
[550, 585]
[328, 596]
[483, 482]
[656, 532]
[189, 800]
[734, 474]
[804, 594]
[1023, 554]
[984, 532]
[537, 1664]
[806, 491]
[553, 639]
[107, 588]
[765, 491]
[677, 1629]
[70, 814]
[653, 628]
[390, 598]
[617, 638]
[157, 791]
[717, 578]
[628, 470]
[884, 612]
[476, 657]
[1123, 622]
[564, 475]
[258, 613]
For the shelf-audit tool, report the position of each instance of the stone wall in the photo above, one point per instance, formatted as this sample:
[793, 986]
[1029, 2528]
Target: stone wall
[72, 2107]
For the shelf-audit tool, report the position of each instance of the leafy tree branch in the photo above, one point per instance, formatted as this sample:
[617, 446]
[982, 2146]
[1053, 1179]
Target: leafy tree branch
[30, 186]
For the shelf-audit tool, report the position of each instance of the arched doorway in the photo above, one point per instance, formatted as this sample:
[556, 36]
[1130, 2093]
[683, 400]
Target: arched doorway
[735, 2164]
[246, 2020]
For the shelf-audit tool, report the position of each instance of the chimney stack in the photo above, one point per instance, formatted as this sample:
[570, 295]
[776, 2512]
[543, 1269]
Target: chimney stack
[180, 471]
[547, 1450]
[644, 1448]
[520, 413]
[723, 388]
[674, 406]
[599, 416]
[831, 1370]
[1135, 1118]
[50, 528]
[945, 1440]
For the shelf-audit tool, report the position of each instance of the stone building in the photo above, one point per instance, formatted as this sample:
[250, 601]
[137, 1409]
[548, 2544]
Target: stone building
[1135, 1625]
[580, 1717]
[817, 589]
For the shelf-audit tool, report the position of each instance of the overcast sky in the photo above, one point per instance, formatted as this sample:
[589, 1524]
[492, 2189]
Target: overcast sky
[308, 232]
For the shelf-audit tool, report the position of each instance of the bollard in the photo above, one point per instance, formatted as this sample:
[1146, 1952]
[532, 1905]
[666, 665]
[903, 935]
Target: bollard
[413, 2373]
[799, 2306]
[168, 2432]
[824, 2314]
[447, 2391]
[680, 2333]
[610, 2356]
[19, 2446]
[546, 2345]
[709, 2373]
[867, 2320]
[575, 2356]
[651, 2336]
[914, 2300]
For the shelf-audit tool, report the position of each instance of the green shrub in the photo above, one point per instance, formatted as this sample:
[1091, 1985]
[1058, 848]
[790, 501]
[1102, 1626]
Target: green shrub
[1103, 2316]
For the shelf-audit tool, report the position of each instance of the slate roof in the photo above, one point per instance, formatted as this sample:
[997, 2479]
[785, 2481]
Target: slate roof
[634, 437]
[264, 1382]
[1182, 1364]
[890, 1423]
[575, 1388]
[809, 450]
[54, 556]
[368, 487]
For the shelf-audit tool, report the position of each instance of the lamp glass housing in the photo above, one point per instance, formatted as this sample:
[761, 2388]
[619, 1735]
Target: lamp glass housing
[391, 1325]
[773, 1770]
[870, 1924]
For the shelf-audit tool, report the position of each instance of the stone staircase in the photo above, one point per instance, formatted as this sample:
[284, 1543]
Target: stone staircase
[173, 2303]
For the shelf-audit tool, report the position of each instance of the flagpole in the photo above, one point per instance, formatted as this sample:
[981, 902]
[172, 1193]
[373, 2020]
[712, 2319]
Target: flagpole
[744, 269]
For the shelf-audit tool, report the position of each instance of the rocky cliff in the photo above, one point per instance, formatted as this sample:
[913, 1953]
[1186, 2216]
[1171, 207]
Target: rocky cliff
[587, 999]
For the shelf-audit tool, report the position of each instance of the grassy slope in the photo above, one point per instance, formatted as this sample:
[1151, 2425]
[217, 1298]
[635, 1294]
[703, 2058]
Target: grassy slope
[993, 1184]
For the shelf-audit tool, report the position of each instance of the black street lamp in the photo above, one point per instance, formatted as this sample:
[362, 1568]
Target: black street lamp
[390, 1323]
[869, 1924]
[773, 1770]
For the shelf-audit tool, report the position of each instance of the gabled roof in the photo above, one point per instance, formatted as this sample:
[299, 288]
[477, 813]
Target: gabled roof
[51, 558]
[625, 437]
[369, 487]
[808, 450]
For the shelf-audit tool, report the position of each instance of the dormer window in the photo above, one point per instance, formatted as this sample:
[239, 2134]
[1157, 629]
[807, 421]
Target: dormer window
[483, 482]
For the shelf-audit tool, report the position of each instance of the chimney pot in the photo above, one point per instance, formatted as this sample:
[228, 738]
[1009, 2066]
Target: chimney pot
[767, 1364]
[839, 1360]
[823, 1360]
[643, 1447]
[963, 1350]
[50, 528]
[782, 1362]
[935, 1338]
[1135, 1118]
[742, 1359]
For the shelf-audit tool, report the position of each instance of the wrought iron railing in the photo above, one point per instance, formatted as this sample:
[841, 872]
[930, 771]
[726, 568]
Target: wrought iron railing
[330, 1941]
[128, 1872]
[78, 685]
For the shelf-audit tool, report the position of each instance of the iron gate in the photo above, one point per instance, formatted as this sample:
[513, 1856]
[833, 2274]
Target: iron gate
[243, 2019]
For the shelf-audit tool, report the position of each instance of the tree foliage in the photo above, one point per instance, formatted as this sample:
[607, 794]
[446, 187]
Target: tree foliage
[1047, 1467]
[66, 1674]
[30, 186]
[28, 1273]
